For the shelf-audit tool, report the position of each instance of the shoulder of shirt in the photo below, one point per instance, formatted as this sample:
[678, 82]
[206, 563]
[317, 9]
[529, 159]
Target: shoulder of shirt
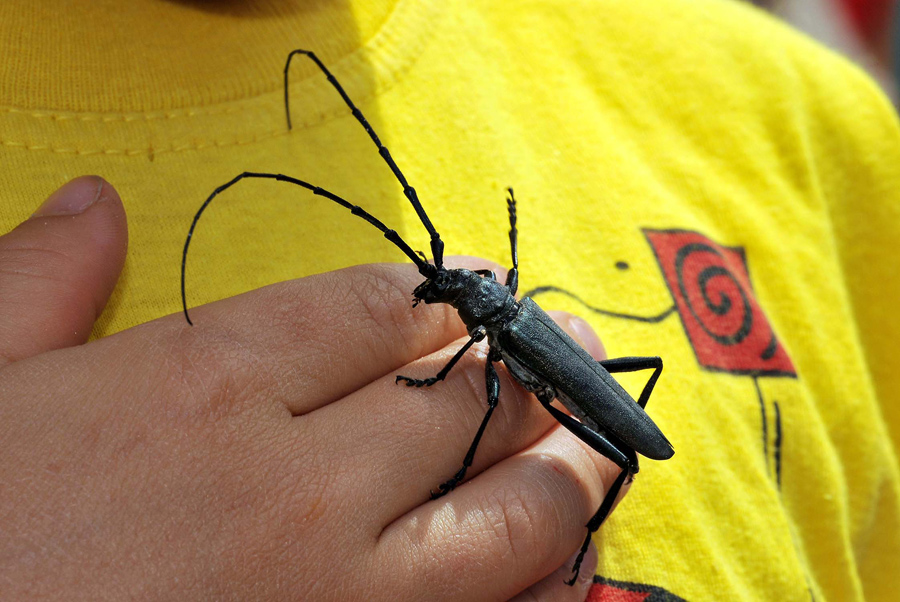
[682, 50]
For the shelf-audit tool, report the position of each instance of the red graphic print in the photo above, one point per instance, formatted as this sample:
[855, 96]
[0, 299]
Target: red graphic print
[609, 590]
[601, 592]
[711, 286]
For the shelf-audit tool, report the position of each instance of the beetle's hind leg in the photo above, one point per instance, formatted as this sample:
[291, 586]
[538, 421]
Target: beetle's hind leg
[477, 336]
[597, 520]
[624, 458]
[492, 382]
[633, 364]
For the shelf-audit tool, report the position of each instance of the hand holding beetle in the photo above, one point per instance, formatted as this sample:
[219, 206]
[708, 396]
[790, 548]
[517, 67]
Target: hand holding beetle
[267, 452]
[540, 355]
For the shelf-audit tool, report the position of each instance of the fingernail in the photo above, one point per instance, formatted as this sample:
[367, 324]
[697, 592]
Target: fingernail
[587, 337]
[73, 198]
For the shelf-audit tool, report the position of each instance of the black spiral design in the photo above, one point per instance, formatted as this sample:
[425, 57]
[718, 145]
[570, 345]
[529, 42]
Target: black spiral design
[719, 289]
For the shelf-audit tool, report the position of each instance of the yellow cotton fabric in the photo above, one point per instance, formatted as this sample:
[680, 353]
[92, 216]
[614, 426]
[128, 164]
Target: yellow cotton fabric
[608, 117]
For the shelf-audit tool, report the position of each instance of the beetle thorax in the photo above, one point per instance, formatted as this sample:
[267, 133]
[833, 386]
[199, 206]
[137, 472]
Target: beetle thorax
[480, 301]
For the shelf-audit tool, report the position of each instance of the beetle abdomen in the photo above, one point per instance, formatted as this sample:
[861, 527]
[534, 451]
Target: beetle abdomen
[556, 361]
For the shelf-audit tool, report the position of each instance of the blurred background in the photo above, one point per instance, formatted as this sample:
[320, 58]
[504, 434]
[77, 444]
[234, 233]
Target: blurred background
[867, 31]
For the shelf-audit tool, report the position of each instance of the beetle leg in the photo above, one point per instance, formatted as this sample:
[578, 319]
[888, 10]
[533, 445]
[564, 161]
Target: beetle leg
[625, 458]
[478, 336]
[632, 364]
[597, 520]
[487, 274]
[512, 277]
[493, 396]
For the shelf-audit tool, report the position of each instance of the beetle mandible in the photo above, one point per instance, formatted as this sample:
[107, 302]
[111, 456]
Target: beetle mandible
[538, 354]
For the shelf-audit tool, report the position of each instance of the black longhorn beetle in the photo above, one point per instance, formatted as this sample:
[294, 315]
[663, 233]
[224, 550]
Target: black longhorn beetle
[539, 355]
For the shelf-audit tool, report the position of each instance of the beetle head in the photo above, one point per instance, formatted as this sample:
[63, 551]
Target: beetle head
[442, 286]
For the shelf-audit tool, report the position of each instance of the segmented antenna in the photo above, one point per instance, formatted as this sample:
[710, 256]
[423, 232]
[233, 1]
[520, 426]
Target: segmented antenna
[425, 268]
[437, 245]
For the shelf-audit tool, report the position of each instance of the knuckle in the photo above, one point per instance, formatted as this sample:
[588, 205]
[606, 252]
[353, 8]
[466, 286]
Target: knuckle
[383, 295]
[512, 423]
[377, 301]
[580, 477]
[600, 470]
[471, 374]
[31, 261]
[588, 471]
[203, 371]
[517, 411]
[22, 267]
[309, 499]
[518, 526]
[543, 506]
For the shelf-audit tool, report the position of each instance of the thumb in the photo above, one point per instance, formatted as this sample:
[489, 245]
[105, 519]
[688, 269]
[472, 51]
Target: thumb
[58, 268]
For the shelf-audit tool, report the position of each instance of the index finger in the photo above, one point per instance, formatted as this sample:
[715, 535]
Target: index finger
[311, 341]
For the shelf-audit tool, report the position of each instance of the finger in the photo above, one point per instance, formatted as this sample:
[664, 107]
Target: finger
[58, 268]
[416, 439]
[345, 329]
[439, 423]
[553, 587]
[522, 518]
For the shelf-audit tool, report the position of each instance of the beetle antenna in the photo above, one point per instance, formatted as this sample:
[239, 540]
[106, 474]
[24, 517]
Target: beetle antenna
[437, 245]
[425, 268]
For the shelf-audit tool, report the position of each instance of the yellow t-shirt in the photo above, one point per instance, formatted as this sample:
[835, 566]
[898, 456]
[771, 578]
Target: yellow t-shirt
[695, 179]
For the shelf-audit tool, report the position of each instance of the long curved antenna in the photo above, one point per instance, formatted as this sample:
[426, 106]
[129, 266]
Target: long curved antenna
[425, 268]
[437, 245]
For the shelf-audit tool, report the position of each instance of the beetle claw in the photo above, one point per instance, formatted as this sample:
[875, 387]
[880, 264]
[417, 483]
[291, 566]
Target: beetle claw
[450, 484]
[443, 489]
[413, 382]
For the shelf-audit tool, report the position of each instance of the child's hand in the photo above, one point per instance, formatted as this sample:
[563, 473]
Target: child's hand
[265, 453]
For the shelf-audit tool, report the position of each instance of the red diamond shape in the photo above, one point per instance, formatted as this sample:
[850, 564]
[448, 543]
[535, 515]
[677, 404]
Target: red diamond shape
[725, 324]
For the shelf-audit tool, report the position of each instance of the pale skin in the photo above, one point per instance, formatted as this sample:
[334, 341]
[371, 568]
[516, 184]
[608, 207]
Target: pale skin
[265, 453]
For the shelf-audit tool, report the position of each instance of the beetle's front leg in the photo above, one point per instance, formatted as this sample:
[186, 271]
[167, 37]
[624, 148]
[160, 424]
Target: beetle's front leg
[492, 382]
[477, 336]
